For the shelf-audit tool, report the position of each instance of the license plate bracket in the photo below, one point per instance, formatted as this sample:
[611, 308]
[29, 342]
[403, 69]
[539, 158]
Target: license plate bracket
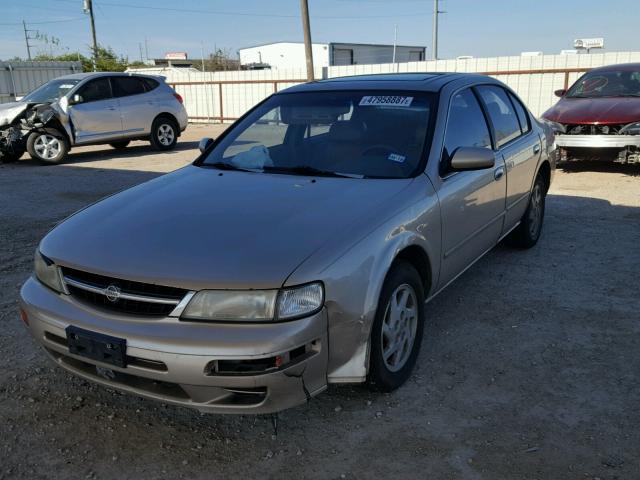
[97, 346]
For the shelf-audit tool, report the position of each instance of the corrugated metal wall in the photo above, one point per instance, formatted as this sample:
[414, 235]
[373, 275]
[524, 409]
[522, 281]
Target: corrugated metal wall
[229, 94]
[19, 78]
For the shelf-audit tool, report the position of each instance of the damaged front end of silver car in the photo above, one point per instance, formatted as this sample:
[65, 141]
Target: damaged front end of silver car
[18, 121]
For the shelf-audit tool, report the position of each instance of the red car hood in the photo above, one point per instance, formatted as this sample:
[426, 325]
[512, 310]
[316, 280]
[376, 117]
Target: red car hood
[606, 110]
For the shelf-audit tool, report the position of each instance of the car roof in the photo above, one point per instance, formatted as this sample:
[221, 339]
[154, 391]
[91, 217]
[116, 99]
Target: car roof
[627, 67]
[84, 75]
[427, 82]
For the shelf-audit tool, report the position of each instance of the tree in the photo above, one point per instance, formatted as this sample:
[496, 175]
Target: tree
[220, 60]
[108, 60]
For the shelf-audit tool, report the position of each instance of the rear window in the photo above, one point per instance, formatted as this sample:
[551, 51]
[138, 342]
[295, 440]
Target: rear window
[362, 133]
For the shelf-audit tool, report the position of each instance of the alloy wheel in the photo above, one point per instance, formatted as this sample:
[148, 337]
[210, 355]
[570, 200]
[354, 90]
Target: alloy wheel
[166, 134]
[535, 210]
[47, 146]
[399, 327]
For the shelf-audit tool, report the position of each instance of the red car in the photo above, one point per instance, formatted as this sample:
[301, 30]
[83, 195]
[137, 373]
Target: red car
[599, 116]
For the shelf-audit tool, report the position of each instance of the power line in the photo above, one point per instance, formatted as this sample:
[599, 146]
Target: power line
[247, 14]
[43, 22]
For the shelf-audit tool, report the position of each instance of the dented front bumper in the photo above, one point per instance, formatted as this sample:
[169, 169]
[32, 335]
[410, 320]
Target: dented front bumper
[213, 367]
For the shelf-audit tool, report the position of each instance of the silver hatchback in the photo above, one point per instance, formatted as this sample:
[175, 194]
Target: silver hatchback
[299, 249]
[91, 108]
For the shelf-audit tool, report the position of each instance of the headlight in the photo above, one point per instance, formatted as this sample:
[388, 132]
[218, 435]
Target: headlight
[255, 305]
[631, 129]
[48, 273]
[555, 126]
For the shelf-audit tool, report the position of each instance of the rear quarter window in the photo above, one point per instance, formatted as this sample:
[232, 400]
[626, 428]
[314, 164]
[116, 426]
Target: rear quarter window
[150, 84]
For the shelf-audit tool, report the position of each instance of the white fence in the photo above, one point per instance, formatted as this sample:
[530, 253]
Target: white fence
[224, 96]
[19, 78]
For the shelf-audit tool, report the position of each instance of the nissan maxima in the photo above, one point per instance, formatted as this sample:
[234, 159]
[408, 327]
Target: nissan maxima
[299, 248]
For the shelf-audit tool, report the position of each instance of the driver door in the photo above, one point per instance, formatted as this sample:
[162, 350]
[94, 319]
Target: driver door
[96, 117]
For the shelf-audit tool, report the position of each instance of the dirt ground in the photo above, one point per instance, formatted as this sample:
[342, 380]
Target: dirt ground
[529, 369]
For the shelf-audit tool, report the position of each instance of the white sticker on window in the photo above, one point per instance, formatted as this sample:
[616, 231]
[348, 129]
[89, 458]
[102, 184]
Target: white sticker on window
[388, 100]
[67, 86]
[394, 157]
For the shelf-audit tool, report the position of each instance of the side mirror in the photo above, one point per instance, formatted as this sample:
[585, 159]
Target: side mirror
[204, 144]
[472, 158]
[560, 93]
[76, 99]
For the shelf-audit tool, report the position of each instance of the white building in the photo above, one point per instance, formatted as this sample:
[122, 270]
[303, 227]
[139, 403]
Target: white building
[281, 55]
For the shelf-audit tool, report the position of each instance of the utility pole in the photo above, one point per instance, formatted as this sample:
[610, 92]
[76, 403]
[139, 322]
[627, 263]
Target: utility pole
[304, 11]
[202, 54]
[88, 8]
[434, 41]
[146, 49]
[26, 39]
[140, 47]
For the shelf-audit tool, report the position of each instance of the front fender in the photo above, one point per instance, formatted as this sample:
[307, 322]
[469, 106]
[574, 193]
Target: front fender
[353, 281]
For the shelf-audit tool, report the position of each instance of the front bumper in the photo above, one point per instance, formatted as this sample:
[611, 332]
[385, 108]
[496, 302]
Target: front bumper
[597, 141]
[170, 360]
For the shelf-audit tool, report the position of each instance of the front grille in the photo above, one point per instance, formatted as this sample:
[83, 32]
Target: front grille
[594, 129]
[156, 300]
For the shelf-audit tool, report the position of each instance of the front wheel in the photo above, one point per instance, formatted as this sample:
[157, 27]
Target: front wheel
[397, 329]
[164, 133]
[526, 234]
[47, 146]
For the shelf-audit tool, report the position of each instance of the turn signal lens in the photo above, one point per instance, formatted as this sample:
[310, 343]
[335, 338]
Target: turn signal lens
[300, 301]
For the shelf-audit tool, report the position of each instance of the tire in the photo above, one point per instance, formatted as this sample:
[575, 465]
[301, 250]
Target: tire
[48, 146]
[390, 367]
[120, 145]
[164, 133]
[526, 234]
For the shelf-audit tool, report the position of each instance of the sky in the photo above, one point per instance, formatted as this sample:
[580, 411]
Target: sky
[469, 27]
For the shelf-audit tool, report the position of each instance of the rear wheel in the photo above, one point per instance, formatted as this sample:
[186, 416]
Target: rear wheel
[164, 133]
[526, 234]
[48, 146]
[397, 329]
[120, 145]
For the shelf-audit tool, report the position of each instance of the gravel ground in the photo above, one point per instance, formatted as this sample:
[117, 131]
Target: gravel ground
[529, 368]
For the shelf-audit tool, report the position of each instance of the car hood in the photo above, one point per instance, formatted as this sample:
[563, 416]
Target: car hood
[203, 228]
[605, 110]
[9, 112]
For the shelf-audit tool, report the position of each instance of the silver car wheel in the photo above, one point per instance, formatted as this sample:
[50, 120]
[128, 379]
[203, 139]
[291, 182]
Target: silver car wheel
[47, 146]
[535, 210]
[399, 327]
[166, 134]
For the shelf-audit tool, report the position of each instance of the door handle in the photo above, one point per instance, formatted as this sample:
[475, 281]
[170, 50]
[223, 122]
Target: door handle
[536, 148]
[498, 173]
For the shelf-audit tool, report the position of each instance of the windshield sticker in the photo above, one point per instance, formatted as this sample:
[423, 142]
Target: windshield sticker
[386, 100]
[67, 86]
[394, 157]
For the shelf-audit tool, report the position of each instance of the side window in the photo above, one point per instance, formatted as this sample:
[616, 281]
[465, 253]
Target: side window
[149, 83]
[466, 127]
[124, 86]
[503, 117]
[523, 118]
[98, 89]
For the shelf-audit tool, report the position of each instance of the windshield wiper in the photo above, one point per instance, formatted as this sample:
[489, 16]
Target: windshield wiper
[311, 171]
[229, 166]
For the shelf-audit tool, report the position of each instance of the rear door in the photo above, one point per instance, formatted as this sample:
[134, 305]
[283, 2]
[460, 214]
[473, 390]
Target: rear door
[472, 203]
[517, 143]
[137, 104]
[97, 117]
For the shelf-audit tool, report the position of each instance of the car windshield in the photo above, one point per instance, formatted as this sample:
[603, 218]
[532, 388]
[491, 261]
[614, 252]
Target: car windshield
[613, 83]
[51, 91]
[347, 133]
